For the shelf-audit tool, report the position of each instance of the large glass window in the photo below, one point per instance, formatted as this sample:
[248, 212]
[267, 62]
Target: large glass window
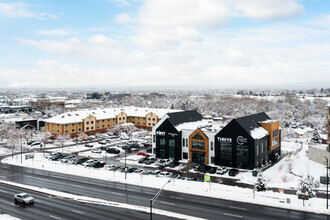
[198, 137]
[275, 142]
[198, 145]
[275, 132]
[226, 154]
[162, 141]
[171, 142]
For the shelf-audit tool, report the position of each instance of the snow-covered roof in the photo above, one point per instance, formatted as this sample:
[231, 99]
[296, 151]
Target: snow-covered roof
[191, 125]
[106, 113]
[302, 131]
[269, 121]
[258, 133]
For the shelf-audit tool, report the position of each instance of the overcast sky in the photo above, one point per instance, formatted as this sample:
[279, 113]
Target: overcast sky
[130, 43]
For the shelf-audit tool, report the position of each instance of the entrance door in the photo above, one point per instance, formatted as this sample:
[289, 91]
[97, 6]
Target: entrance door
[198, 157]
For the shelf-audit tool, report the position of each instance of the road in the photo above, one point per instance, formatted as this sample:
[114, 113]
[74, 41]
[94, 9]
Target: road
[203, 207]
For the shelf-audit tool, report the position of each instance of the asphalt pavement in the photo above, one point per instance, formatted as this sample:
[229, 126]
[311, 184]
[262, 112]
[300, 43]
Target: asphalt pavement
[198, 206]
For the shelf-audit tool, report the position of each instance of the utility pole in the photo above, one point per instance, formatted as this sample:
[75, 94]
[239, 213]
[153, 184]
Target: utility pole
[125, 165]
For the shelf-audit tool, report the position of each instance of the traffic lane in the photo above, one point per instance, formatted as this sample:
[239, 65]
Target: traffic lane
[122, 195]
[46, 207]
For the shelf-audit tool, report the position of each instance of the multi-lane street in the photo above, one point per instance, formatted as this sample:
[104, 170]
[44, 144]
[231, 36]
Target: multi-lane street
[48, 207]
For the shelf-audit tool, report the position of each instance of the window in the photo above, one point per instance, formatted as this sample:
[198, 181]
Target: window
[72, 124]
[185, 156]
[198, 137]
[133, 117]
[211, 145]
[92, 128]
[186, 142]
[87, 128]
[154, 119]
[58, 124]
[153, 124]
[138, 118]
[97, 126]
[102, 126]
[102, 120]
[66, 125]
[108, 125]
[183, 143]
[149, 119]
[171, 142]
[123, 118]
[87, 123]
[108, 119]
[257, 150]
[97, 121]
[52, 130]
[79, 123]
[119, 118]
[113, 124]
[144, 123]
[162, 141]
[92, 122]
[149, 124]
[275, 142]
[79, 129]
[72, 130]
[198, 145]
[66, 131]
[138, 122]
[212, 159]
[275, 132]
[153, 138]
[262, 148]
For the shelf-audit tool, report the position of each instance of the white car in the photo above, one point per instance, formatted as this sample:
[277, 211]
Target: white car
[96, 150]
[88, 162]
[24, 198]
[51, 155]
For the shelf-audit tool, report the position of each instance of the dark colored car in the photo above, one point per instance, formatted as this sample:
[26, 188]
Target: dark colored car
[212, 170]
[57, 157]
[113, 151]
[131, 170]
[81, 160]
[150, 161]
[127, 148]
[174, 164]
[143, 159]
[88, 145]
[97, 164]
[104, 147]
[134, 146]
[149, 150]
[233, 172]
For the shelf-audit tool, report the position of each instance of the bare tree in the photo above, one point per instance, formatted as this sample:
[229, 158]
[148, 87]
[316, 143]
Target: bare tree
[46, 136]
[62, 138]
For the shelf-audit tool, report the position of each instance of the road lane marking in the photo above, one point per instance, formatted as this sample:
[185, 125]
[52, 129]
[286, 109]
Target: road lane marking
[120, 194]
[234, 207]
[232, 215]
[76, 211]
[168, 203]
[174, 197]
[54, 217]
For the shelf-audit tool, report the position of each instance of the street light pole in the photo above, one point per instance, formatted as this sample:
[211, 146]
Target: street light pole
[327, 180]
[125, 166]
[153, 200]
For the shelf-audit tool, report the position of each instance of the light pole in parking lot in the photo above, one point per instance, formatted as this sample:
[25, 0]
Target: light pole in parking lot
[152, 201]
[125, 165]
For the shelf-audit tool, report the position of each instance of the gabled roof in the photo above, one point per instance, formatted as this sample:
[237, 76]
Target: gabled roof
[177, 118]
[251, 125]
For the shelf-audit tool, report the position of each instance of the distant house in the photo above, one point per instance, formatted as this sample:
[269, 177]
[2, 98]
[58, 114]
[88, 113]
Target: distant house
[303, 132]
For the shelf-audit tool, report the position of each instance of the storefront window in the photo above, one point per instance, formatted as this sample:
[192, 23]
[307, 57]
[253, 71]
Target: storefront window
[198, 145]
[162, 141]
[242, 155]
[275, 132]
[171, 142]
[275, 142]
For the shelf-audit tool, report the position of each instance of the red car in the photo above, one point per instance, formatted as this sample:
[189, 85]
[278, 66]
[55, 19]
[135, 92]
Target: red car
[142, 154]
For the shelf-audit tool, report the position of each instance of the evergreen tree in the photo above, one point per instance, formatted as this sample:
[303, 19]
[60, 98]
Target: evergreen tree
[305, 187]
[316, 138]
[261, 184]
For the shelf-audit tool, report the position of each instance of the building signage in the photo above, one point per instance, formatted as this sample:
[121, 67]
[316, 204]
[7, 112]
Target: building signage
[173, 134]
[241, 140]
[160, 133]
[224, 140]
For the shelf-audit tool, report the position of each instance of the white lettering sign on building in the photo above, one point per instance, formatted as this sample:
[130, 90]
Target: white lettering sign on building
[241, 140]
[224, 140]
[160, 133]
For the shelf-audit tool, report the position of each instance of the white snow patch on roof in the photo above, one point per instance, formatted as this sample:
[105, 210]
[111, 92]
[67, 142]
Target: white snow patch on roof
[258, 133]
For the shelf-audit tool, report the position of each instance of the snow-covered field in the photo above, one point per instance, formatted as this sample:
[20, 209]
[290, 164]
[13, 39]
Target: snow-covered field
[198, 188]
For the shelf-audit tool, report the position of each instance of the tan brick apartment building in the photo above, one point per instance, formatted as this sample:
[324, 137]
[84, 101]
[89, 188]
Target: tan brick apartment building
[94, 121]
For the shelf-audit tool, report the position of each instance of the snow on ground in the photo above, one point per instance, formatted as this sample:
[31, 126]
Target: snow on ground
[198, 188]
[7, 217]
[5, 151]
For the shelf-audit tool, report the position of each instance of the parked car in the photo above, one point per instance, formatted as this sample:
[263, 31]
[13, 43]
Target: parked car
[120, 169]
[163, 162]
[57, 157]
[233, 172]
[98, 164]
[134, 146]
[164, 174]
[35, 144]
[96, 150]
[212, 170]
[71, 160]
[150, 161]
[149, 150]
[108, 141]
[127, 148]
[142, 154]
[112, 166]
[30, 142]
[140, 171]
[48, 156]
[113, 151]
[222, 170]
[131, 170]
[24, 198]
[92, 137]
[155, 172]
[102, 142]
[88, 162]
[143, 159]
[174, 164]
[80, 160]
[66, 158]
[89, 145]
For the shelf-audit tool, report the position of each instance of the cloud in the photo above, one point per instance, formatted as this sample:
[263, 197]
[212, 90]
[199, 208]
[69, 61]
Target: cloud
[54, 32]
[270, 9]
[21, 10]
[124, 18]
